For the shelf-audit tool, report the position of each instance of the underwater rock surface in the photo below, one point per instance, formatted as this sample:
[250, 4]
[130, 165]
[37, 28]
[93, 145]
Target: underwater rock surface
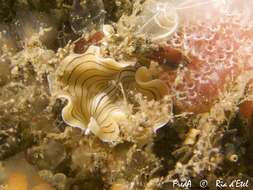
[125, 95]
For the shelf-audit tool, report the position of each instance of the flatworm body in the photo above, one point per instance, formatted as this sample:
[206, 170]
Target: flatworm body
[96, 88]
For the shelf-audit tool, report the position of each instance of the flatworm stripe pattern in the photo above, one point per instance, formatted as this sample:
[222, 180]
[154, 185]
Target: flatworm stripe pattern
[93, 86]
